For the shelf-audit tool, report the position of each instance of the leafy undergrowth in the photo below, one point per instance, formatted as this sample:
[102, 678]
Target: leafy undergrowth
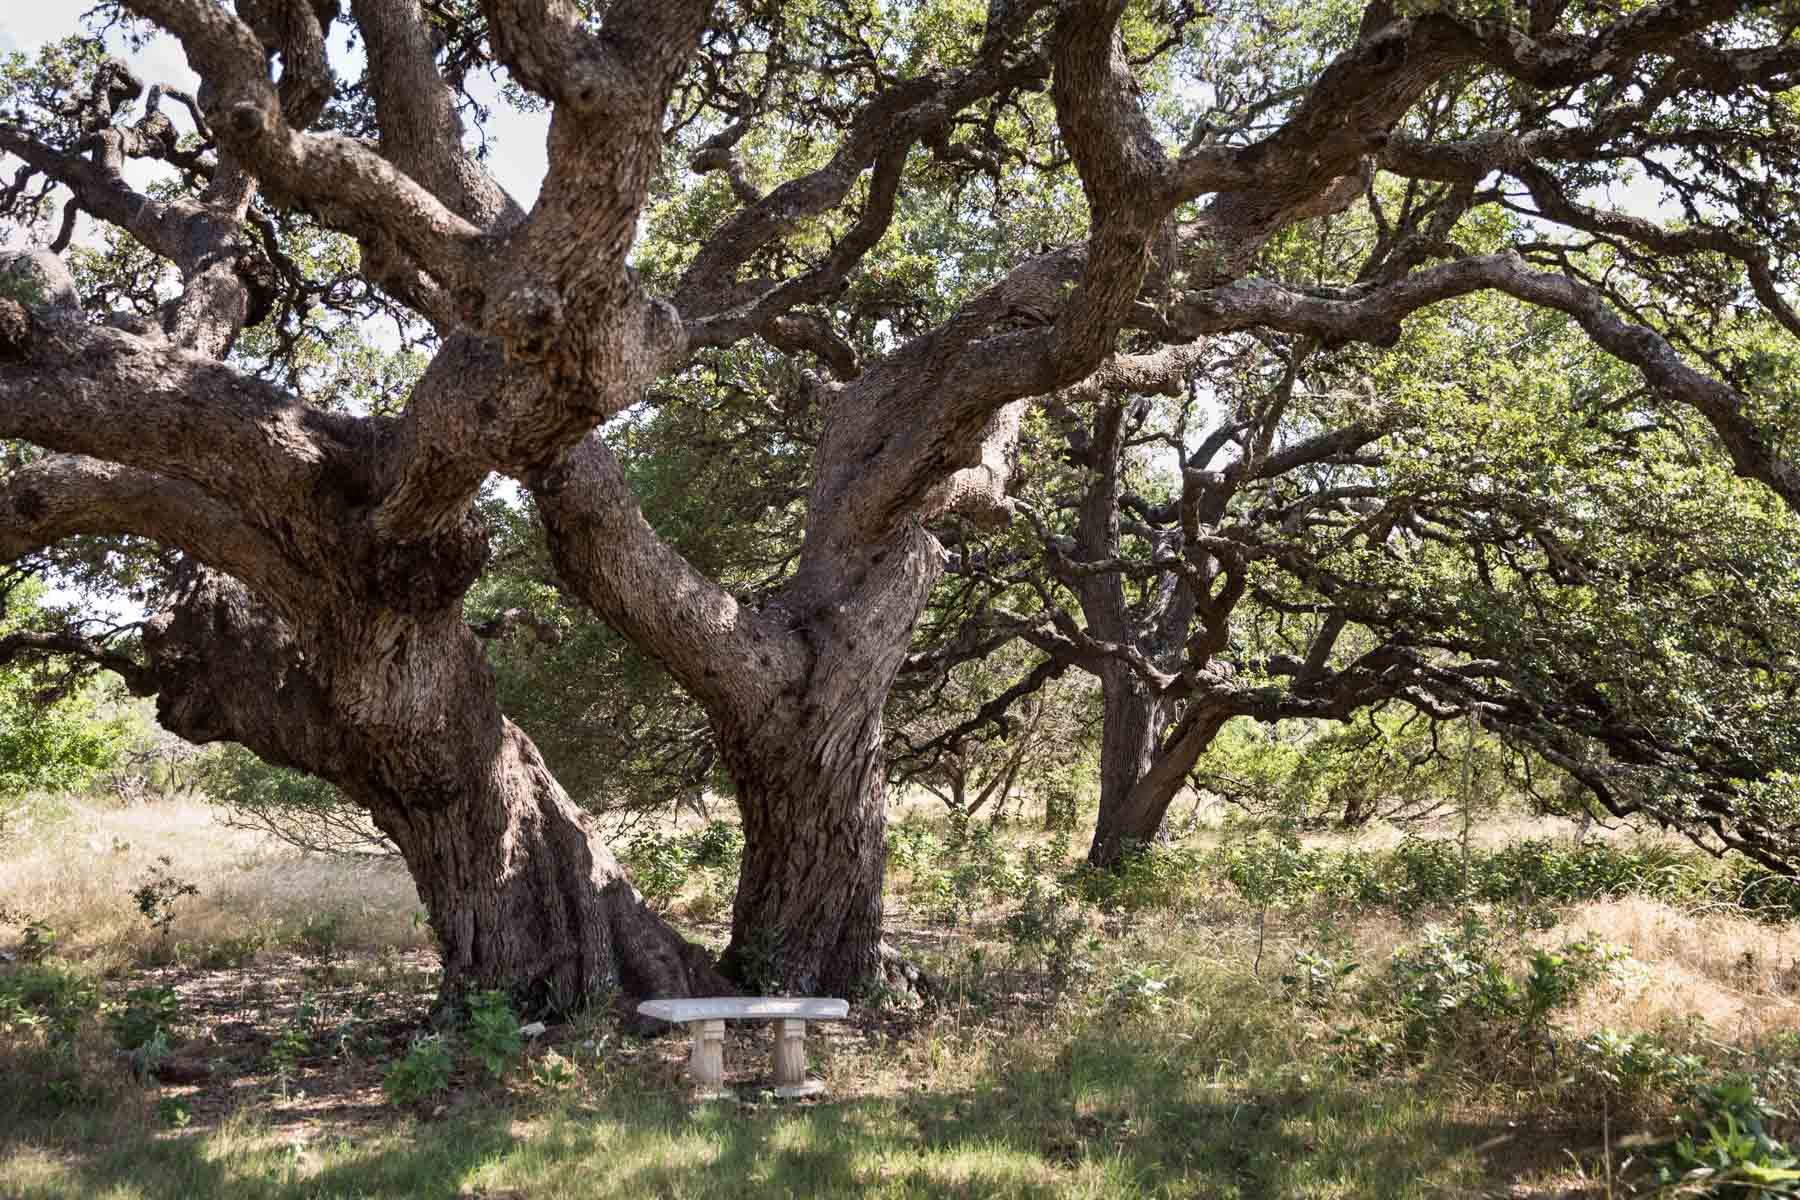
[1186, 1033]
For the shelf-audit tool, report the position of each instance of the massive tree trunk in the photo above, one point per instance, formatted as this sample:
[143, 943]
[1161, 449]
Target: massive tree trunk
[811, 782]
[524, 899]
[807, 918]
[794, 692]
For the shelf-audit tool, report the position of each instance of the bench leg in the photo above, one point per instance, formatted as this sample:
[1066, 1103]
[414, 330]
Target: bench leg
[706, 1064]
[790, 1061]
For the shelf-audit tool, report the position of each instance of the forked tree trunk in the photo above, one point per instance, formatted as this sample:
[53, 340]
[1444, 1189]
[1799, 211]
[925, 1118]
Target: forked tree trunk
[811, 786]
[1143, 765]
[523, 900]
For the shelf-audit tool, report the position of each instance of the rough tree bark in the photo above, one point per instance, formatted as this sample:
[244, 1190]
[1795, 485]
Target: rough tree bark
[520, 895]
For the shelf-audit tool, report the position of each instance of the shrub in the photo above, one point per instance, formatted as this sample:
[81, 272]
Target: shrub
[718, 846]
[40, 995]
[420, 1075]
[1450, 991]
[1268, 870]
[1047, 930]
[1726, 1149]
[553, 1072]
[659, 866]
[38, 941]
[294, 1040]
[1630, 1069]
[1148, 877]
[1316, 977]
[911, 844]
[321, 936]
[493, 1033]
[158, 891]
[1145, 988]
[148, 1014]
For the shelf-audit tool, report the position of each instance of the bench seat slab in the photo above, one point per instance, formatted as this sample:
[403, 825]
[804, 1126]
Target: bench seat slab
[746, 1008]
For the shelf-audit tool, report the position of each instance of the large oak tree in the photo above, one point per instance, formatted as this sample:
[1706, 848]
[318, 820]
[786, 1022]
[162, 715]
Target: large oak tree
[323, 623]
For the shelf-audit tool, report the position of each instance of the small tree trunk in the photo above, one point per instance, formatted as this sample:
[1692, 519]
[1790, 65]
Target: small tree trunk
[523, 900]
[1141, 770]
[1129, 741]
[807, 918]
[959, 787]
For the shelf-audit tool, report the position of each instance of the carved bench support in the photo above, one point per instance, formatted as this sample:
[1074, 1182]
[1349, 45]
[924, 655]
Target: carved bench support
[790, 1061]
[706, 1062]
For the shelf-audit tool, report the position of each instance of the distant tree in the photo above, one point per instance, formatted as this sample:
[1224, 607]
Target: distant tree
[1474, 524]
[58, 729]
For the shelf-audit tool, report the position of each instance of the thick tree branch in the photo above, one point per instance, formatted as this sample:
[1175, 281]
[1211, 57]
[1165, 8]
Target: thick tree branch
[732, 659]
[331, 171]
[142, 402]
[415, 111]
[63, 495]
[139, 679]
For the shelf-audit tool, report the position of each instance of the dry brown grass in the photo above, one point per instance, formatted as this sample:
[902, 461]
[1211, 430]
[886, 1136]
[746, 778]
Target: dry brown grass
[1740, 976]
[78, 875]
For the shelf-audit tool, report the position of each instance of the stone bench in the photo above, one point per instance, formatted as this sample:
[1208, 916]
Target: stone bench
[705, 1017]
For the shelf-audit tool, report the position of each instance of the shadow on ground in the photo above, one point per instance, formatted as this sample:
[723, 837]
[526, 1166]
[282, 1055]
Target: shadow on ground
[1106, 1116]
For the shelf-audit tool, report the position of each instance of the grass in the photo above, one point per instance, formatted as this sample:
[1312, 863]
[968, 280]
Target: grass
[1175, 1063]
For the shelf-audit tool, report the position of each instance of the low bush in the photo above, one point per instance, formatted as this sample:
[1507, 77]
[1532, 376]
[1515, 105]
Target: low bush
[147, 1015]
[423, 1073]
[47, 996]
[493, 1032]
[1725, 1148]
[1424, 873]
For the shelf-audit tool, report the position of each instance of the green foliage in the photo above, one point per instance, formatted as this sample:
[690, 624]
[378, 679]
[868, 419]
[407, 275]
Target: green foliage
[293, 1041]
[1147, 878]
[158, 891]
[1380, 765]
[174, 1112]
[493, 1032]
[1423, 873]
[663, 864]
[423, 1073]
[1633, 1069]
[554, 1073]
[1145, 987]
[147, 1015]
[62, 745]
[1047, 930]
[718, 846]
[1317, 977]
[659, 865]
[49, 996]
[1726, 1149]
[38, 941]
[302, 810]
[1452, 990]
[321, 935]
